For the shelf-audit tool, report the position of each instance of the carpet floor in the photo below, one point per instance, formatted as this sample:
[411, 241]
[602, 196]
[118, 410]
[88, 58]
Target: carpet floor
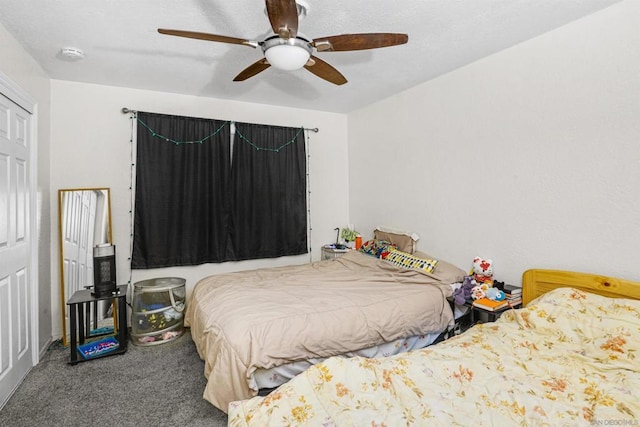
[158, 385]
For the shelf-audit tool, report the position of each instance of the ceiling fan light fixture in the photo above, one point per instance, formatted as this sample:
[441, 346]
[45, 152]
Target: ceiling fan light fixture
[287, 54]
[288, 49]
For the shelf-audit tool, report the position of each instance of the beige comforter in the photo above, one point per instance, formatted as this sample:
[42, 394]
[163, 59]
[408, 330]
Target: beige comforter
[267, 317]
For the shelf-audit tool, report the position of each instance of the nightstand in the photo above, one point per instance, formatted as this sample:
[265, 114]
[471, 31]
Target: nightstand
[480, 315]
[330, 252]
[100, 344]
[473, 316]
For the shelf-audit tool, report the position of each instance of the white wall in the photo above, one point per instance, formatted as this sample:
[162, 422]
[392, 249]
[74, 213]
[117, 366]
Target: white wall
[530, 157]
[91, 148]
[20, 67]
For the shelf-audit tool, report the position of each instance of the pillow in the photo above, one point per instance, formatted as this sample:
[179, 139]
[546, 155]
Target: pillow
[403, 241]
[377, 248]
[446, 272]
[406, 260]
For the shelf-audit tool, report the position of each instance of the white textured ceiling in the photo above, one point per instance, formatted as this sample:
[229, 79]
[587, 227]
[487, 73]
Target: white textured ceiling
[123, 48]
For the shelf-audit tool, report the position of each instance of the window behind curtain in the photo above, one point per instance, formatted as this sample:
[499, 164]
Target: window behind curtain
[268, 192]
[193, 206]
[181, 199]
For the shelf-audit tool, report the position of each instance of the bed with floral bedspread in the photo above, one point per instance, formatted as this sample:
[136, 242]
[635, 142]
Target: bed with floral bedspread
[569, 358]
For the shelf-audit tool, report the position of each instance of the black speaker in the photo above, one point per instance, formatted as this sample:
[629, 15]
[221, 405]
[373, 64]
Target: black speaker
[104, 271]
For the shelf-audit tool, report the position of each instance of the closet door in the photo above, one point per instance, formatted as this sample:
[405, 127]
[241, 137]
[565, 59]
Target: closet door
[16, 354]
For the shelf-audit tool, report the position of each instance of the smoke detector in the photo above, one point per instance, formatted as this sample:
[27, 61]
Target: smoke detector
[71, 54]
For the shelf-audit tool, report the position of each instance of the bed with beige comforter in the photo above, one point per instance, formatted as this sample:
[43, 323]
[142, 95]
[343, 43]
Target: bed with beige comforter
[264, 318]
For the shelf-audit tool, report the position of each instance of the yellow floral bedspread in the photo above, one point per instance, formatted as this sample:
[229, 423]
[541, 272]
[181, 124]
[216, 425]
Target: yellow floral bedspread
[569, 358]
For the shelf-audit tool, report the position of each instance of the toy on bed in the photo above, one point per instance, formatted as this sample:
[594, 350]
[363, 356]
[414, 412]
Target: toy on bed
[377, 248]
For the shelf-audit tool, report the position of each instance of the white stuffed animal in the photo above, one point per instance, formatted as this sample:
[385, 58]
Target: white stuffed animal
[482, 271]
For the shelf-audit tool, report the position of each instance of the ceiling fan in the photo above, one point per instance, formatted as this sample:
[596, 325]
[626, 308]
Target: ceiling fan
[287, 49]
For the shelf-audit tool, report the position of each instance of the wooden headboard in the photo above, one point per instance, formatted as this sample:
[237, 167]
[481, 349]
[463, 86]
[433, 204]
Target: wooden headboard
[538, 282]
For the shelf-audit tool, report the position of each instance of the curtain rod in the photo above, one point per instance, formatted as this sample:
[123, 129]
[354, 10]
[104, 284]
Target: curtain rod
[126, 110]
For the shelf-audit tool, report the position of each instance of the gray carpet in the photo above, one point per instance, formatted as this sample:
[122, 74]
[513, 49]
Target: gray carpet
[158, 385]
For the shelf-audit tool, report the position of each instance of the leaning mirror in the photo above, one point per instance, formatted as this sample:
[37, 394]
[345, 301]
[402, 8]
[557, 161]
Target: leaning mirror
[84, 224]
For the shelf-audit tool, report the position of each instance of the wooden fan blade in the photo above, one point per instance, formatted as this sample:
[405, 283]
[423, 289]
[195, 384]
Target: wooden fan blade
[253, 69]
[283, 16]
[325, 71]
[363, 41]
[207, 36]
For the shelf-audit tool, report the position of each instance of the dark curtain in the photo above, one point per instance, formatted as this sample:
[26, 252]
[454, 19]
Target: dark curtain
[268, 192]
[181, 197]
